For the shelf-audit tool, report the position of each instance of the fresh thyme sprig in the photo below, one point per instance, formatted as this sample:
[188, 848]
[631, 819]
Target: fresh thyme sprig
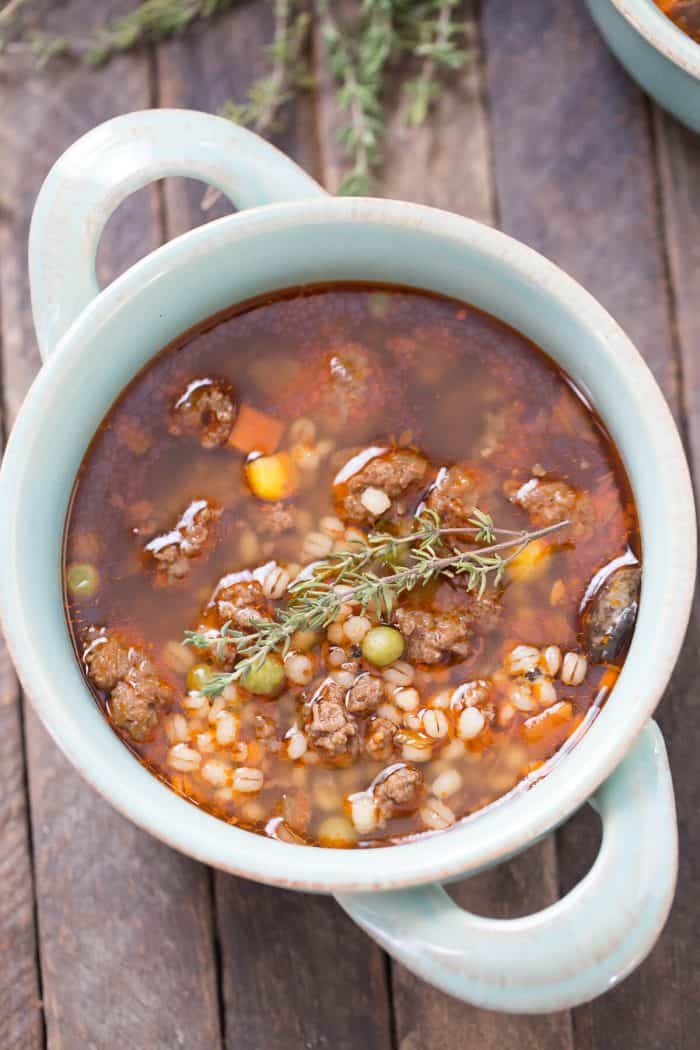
[373, 574]
[357, 62]
[437, 45]
[370, 49]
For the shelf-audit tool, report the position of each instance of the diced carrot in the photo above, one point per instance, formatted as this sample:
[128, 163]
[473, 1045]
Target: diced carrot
[609, 678]
[532, 767]
[254, 753]
[531, 562]
[255, 431]
[539, 726]
[272, 477]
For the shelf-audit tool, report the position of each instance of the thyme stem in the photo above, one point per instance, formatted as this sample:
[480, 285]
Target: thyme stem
[366, 43]
[315, 598]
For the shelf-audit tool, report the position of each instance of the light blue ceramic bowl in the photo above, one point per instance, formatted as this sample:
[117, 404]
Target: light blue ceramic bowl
[663, 59]
[94, 342]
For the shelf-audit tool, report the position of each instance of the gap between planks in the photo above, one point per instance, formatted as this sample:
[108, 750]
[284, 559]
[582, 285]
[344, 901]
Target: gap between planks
[124, 923]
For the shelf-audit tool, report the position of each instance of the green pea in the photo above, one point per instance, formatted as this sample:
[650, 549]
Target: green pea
[199, 677]
[382, 645]
[82, 580]
[267, 679]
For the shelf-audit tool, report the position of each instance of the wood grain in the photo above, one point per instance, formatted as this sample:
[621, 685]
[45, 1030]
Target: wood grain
[295, 972]
[450, 168]
[211, 65]
[125, 924]
[575, 177]
[20, 1007]
[318, 980]
[679, 173]
[679, 164]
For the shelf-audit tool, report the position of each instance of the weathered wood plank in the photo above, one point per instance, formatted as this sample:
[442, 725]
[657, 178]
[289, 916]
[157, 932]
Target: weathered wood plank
[20, 1008]
[316, 979]
[679, 164]
[295, 971]
[125, 924]
[573, 165]
[205, 69]
[679, 168]
[575, 179]
[450, 167]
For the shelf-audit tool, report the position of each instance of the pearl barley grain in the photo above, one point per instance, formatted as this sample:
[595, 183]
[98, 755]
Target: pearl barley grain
[436, 815]
[356, 627]
[183, 758]
[316, 545]
[247, 779]
[180, 658]
[299, 668]
[471, 722]
[296, 745]
[332, 527]
[521, 659]
[573, 669]
[399, 674]
[336, 633]
[226, 728]
[215, 772]
[274, 582]
[447, 783]
[441, 701]
[407, 699]
[551, 659]
[375, 501]
[435, 724]
[453, 750]
[363, 811]
[302, 431]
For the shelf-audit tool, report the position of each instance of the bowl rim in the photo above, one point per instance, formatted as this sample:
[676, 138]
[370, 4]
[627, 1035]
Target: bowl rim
[662, 33]
[148, 802]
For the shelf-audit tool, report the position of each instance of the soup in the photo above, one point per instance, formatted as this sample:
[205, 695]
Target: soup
[347, 564]
[685, 14]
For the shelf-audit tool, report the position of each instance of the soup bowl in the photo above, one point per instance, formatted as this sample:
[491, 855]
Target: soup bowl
[93, 342]
[663, 59]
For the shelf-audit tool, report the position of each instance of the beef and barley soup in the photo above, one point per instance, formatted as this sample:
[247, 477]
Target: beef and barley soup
[349, 563]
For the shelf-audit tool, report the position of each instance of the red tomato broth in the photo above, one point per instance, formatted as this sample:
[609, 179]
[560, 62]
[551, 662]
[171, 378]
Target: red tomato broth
[466, 388]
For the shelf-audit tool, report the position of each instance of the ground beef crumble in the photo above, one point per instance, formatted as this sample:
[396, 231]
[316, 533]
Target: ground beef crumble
[394, 472]
[137, 694]
[366, 693]
[455, 495]
[107, 659]
[220, 651]
[435, 636]
[550, 502]
[240, 601]
[400, 790]
[136, 702]
[273, 519]
[206, 409]
[379, 739]
[174, 551]
[331, 729]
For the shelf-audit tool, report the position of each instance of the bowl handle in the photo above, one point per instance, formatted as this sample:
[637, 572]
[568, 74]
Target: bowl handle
[572, 951]
[89, 181]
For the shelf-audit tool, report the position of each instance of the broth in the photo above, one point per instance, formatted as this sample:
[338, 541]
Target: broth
[359, 406]
[685, 14]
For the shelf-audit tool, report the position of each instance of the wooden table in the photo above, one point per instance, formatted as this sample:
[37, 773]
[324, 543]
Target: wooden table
[107, 938]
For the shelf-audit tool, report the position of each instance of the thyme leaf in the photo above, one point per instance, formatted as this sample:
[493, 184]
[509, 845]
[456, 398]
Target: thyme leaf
[373, 574]
[369, 48]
